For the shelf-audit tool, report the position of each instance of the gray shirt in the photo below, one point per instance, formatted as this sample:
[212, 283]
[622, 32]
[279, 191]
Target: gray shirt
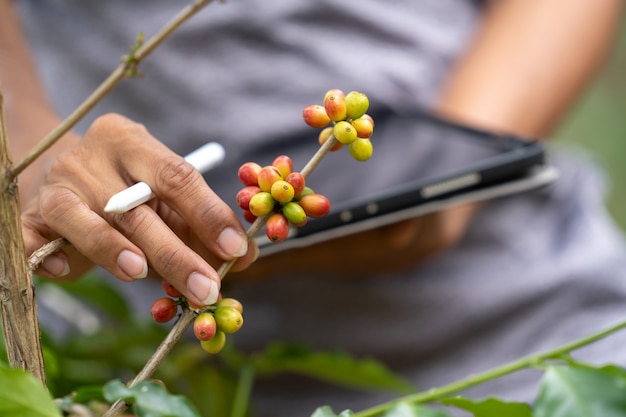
[533, 270]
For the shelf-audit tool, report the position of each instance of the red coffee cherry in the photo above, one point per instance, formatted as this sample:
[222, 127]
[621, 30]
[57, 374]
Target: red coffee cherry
[244, 196]
[163, 310]
[169, 289]
[204, 326]
[315, 205]
[284, 165]
[277, 227]
[315, 116]
[248, 173]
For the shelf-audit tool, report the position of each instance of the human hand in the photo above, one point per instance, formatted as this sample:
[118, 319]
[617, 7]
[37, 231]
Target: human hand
[179, 234]
[394, 247]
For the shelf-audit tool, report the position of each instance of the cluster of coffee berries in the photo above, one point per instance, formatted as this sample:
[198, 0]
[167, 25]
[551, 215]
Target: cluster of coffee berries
[210, 325]
[279, 192]
[352, 126]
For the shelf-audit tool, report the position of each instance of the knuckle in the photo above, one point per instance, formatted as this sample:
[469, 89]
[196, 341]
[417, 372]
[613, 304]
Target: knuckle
[169, 260]
[116, 126]
[55, 203]
[176, 174]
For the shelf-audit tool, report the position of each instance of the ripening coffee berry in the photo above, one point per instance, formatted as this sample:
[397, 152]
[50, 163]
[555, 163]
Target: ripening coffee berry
[361, 149]
[284, 165]
[268, 175]
[370, 118]
[335, 106]
[294, 213]
[215, 344]
[169, 289]
[344, 132]
[261, 204]
[248, 216]
[244, 195]
[282, 191]
[363, 127]
[325, 135]
[306, 191]
[315, 205]
[163, 310]
[297, 181]
[230, 302]
[228, 319]
[334, 91]
[248, 173]
[356, 104]
[277, 227]
[204, 326]
[315, 116]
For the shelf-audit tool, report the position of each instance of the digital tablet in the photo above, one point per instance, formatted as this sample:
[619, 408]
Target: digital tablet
[459, 164]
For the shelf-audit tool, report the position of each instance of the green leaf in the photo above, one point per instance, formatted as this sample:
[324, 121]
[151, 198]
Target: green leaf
[491, 407]
[150, 399]
[582, 391]
[406, 409]
[326, 411]
[330, 366]
[21, 395]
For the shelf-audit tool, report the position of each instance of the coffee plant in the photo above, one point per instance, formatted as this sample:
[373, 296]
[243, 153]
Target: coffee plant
[84, 372]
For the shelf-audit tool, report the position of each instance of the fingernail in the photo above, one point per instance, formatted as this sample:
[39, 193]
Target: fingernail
[133, 265]
[56, 266]
[232, 242]
[203, 288]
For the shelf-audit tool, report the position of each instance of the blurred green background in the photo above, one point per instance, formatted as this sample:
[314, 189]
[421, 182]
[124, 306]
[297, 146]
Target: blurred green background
[598, 124]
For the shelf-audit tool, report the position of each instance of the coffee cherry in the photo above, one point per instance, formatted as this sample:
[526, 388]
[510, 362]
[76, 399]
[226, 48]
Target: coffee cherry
[344, 132]
[277, 227]
[248, 216]
[294, 213]
[282, 191]
[169, 289]
[204, 326]
[261, 204]
[268, 175]
[297, 181]
[335, 106]
[356, 104]
[215, 344]
[370, 118]
[244, 195]
[249, 172]
[305, 191]
[230, 302]
[361, 149]
[228, 319]
[325, 135]
[363, 127]
[334, 91]
[315, 205]
[163, 310]
[284, 165]
[315, 116]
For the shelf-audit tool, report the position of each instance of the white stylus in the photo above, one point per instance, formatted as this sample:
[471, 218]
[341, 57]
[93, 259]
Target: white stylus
[203, 159]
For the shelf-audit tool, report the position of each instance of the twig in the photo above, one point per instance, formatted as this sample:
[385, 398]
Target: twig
[435, 394]
[37, 257]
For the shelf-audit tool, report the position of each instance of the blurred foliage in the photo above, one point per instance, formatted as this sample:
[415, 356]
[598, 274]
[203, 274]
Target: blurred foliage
[598, 124]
